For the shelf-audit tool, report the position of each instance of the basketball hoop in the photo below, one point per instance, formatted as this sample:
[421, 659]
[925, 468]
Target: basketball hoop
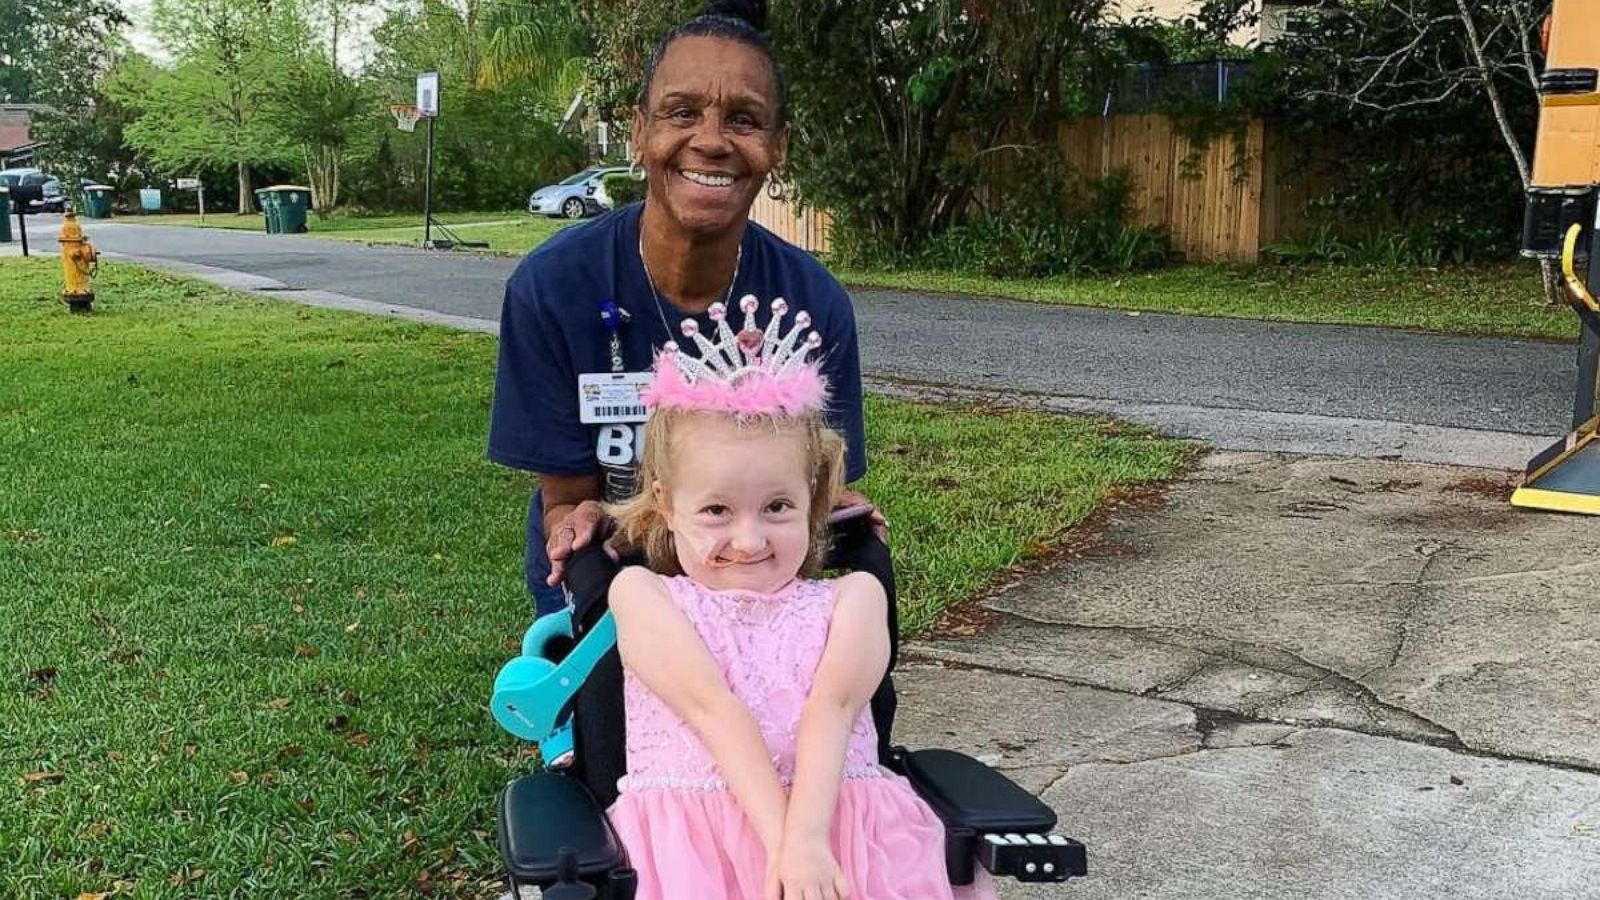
[406, 116]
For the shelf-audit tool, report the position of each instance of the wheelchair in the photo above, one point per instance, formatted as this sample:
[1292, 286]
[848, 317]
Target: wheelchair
[568, 681]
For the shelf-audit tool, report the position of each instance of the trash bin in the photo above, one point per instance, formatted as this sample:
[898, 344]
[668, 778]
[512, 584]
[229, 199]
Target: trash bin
[5, 214]
[97, 200]
[290, 202]
[267, 199]
[150, 199]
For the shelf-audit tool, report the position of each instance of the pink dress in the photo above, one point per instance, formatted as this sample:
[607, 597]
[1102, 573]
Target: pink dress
[686, 834]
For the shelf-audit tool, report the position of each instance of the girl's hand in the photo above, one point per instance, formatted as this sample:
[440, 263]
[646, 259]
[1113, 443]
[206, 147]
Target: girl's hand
[806, 870]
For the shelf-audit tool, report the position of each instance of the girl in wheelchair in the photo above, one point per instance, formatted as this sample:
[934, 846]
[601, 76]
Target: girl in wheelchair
[752, 759]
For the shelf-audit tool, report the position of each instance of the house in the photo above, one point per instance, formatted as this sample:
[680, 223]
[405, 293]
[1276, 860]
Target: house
[1273, 18]
[17, 145]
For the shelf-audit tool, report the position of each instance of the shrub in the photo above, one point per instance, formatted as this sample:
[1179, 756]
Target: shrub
[1046, 223]
[624, 189]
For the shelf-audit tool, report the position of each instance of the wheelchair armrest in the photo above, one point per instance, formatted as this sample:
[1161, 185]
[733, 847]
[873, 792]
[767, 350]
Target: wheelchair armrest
[545, 813]
[989, 819]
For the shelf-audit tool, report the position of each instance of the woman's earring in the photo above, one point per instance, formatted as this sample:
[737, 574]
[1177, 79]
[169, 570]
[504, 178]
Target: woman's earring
[635, 171]
[776, 189]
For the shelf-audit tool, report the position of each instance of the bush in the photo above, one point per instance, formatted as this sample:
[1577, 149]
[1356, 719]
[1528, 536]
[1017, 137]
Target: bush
[1047, 223]
[624, 189]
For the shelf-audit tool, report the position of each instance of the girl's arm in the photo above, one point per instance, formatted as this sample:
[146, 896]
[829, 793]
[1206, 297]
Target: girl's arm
[852, 667]
[660, 647]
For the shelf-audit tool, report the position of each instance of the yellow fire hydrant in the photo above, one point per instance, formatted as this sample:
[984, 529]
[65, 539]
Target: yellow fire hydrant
[78, 263]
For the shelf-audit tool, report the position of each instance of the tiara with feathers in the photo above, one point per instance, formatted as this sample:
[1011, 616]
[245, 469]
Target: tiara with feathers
[754, 372]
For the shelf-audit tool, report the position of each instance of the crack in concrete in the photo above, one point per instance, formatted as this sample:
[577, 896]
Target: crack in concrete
[1445, 736]
[1452, 742]
[1183, 680]
[1419, 595]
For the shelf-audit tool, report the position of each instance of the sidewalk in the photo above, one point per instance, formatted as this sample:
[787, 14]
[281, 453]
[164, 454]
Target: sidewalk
[1298, 678]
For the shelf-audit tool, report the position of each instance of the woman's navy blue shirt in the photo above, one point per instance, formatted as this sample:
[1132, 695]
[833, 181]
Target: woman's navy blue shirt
[551, 331]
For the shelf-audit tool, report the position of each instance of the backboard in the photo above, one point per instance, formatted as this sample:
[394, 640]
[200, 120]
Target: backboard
[428, 94]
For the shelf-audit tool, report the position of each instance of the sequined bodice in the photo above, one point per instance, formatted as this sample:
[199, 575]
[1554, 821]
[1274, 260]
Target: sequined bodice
[767, 647]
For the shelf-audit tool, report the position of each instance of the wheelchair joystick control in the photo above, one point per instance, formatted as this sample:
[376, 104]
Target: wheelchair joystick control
[567, 886]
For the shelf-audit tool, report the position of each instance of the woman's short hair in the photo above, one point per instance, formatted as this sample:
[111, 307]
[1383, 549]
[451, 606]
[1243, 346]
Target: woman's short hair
[744, 21]
[641, 527]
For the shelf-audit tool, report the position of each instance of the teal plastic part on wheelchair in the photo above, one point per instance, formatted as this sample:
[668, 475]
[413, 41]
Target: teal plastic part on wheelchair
[533, 693]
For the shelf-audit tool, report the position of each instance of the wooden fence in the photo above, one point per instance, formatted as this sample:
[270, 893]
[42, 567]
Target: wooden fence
[808, 230]
[1222, 201]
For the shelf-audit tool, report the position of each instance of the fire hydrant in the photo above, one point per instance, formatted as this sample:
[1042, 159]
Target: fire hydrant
[78, 263]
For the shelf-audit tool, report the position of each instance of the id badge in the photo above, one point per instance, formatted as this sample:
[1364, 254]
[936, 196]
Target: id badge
[606, 398]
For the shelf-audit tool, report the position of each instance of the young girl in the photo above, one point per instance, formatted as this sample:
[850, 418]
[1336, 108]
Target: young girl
[752, 764]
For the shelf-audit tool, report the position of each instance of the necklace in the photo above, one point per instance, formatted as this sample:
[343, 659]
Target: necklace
[661, 310]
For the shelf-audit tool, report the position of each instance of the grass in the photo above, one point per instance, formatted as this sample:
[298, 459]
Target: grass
[512, 238]
[337, 224]
[259, 576]
[1502, 300]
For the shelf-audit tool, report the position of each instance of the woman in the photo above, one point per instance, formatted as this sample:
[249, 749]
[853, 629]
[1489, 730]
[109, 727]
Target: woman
[586, 312]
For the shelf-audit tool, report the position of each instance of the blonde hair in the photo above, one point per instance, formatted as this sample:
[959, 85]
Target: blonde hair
[641, 525]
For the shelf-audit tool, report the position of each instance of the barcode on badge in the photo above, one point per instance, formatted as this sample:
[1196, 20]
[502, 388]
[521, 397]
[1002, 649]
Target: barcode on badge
[610, 411]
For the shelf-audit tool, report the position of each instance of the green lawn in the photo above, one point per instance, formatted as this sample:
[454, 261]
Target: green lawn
[1490, 300]
[508, 236]
[337, 224]
[258, 577]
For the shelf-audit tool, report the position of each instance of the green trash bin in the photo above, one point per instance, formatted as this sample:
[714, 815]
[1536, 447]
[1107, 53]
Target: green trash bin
[97, 200]
[268, 201]
[292, 203]
[5, 214]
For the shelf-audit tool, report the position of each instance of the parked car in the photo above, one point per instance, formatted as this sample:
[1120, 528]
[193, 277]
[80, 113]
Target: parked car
[583, 194]
[52, 199]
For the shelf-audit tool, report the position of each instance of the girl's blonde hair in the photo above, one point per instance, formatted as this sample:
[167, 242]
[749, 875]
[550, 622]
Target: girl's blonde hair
[641, 526]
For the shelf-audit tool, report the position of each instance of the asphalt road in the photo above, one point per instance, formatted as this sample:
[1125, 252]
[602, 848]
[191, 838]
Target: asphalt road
[1237, 383]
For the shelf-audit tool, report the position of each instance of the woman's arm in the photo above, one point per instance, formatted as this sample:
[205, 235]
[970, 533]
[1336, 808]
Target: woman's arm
[852, 667]
[659, 645]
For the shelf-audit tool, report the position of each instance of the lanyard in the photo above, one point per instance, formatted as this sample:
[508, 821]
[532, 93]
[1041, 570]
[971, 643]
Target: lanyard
[612, 318]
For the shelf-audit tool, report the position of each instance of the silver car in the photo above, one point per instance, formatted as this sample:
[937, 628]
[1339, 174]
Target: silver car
[52, 197]
[583, 194]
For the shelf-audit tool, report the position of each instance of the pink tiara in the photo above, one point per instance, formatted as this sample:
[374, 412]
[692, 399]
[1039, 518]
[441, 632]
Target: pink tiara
[751, 373]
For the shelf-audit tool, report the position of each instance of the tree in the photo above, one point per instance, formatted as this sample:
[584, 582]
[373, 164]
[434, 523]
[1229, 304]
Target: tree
[497, 139]
[49, 49]
[212, 108]
[927, 92]
[537, 40]
[85, 137]
[1400, 60]
[323, 112]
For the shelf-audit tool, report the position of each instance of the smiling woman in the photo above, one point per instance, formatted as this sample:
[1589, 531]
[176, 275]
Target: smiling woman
[590, 309]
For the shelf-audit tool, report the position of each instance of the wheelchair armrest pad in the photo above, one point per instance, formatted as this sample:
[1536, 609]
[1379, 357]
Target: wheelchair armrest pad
[544, 812]
[965, 793]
